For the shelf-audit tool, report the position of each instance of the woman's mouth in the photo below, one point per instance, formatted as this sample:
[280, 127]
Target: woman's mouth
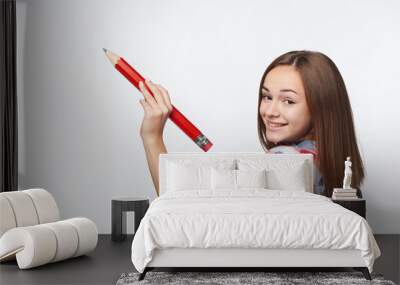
[275, 126]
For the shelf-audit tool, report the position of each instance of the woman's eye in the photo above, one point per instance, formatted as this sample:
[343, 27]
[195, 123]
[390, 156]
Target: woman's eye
[268, 97]
[290, 102]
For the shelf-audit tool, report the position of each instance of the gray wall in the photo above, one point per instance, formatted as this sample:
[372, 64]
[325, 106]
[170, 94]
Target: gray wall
[79, 119]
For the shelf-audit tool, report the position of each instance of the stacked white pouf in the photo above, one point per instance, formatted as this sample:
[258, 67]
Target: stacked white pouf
[31, 231]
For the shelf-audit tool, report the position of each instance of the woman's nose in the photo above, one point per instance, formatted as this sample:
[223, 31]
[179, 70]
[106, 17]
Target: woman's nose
[272, 109]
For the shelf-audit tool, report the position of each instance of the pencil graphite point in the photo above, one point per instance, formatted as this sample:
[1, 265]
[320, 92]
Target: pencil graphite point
[112, 57]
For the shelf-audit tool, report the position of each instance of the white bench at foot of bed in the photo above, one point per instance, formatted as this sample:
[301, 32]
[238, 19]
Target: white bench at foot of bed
[251, 257]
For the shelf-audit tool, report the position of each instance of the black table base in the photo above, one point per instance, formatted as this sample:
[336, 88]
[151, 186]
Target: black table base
[119, 207]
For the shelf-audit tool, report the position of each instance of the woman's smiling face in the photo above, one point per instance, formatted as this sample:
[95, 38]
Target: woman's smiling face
[283, 106]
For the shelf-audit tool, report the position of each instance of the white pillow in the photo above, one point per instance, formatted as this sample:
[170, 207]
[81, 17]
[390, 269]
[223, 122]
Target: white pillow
[288, 178]
[188, 174]
[237, 179]
[223, 179]
[251, 178]
[282, 174]
[183, 177]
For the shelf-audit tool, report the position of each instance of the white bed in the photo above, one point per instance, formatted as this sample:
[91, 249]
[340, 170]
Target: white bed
[201, 220]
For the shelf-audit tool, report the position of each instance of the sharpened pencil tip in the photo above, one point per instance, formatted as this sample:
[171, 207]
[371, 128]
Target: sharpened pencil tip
[104, 50]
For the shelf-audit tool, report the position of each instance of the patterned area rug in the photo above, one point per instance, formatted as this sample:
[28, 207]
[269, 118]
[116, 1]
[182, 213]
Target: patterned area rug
[286, 278]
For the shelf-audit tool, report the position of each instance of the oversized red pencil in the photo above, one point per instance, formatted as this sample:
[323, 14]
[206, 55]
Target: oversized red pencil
[177, 117]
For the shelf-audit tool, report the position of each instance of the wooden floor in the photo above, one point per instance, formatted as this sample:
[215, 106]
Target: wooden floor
[111, 259]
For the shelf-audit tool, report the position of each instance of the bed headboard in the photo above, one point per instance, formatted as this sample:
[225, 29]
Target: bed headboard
[203, 158]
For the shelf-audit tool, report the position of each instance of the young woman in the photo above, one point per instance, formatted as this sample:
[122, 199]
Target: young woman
[303, 107]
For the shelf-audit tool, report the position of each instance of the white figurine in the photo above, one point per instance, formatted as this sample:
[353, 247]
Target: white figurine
[347, 174]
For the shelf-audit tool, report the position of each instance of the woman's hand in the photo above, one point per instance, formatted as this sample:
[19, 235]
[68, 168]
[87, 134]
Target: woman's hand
[156, 111]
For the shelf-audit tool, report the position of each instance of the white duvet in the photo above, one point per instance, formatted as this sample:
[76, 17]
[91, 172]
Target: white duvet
[250, 218]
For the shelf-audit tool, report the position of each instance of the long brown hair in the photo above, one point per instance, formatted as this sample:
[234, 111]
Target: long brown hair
[331, 116]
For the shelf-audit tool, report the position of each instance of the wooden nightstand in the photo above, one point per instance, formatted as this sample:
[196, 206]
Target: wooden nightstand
[357, 206]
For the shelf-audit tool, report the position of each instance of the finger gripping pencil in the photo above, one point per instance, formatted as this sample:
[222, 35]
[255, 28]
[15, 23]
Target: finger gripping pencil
[176, 116]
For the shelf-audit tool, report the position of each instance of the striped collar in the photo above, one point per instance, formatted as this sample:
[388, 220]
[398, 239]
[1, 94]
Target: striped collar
[308, 144]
